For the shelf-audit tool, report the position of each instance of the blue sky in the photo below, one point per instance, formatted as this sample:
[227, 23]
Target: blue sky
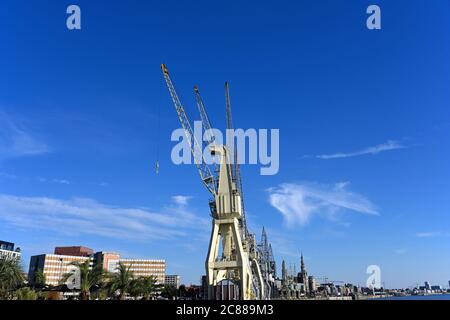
[363, 118]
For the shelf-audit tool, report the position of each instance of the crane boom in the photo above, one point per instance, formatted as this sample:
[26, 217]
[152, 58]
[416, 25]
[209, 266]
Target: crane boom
[229, 124]
[196, 148]
[211, 139]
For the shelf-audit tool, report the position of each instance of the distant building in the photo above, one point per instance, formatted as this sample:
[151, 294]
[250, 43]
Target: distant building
[108, 260]
[56, 266]
[146, 268]
[7, 250]
[9, 246]
[312, 284]
[436, 288]
[204, 289]
[303, 276]
[53, 266]
[74, 251]
[284, 275]
[427, 285]
[294, 285]
[172, 280]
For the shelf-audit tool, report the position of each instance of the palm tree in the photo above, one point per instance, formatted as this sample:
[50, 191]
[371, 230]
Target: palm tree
[144, 287]
[136, 288]
[11, 276]
[89, 277]
[121, 281]
[150, 286]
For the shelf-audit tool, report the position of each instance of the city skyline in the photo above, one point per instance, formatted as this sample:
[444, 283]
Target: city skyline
[363, 118]
[110, 260]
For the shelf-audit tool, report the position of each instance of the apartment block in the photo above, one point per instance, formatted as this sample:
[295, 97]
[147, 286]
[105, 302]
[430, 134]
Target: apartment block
[55, 266]
[145, 268]
[172, 280]
[7, 250]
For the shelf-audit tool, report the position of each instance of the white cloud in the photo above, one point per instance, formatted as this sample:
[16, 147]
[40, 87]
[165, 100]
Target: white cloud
[86, 216]
[387, 146]
[299, 202]
[16, 140]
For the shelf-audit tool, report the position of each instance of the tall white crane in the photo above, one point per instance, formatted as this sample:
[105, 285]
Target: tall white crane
[233, 263]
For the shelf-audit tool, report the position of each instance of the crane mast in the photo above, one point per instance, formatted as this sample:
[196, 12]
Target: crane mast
[235, 165]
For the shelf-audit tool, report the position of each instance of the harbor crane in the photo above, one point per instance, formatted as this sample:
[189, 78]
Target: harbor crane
[236, 266]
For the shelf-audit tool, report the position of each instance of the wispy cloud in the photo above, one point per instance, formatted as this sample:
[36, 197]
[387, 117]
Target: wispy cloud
[40, 179]
[181, 200]
[46, 180]
[429, 234]
[299, 202]
[17, 140]
[61, 181]
[7, 175]
[401, 251]
[387, 146]
[86, 216]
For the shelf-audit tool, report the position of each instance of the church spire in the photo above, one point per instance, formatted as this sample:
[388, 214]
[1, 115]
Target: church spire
[264, 238]
[302, 264]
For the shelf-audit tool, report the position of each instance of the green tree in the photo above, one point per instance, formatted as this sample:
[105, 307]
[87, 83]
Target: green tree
[89, 278]
[39, 279]
[26, 293]
[169, 291]
[11, 276]
[182, 291]
[121, 281]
